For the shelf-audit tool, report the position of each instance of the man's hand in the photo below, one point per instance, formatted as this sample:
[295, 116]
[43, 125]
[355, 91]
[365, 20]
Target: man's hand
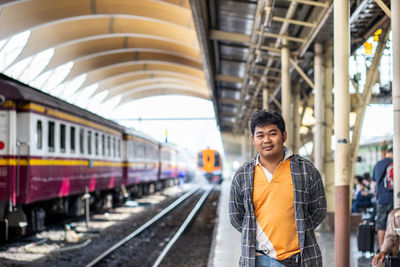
[380, 257]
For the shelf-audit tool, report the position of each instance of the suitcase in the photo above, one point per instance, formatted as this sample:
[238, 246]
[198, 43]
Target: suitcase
[392, 261]
[366, 236]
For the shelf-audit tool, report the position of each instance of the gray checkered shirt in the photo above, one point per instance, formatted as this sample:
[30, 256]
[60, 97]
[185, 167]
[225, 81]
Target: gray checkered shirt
[309, 206]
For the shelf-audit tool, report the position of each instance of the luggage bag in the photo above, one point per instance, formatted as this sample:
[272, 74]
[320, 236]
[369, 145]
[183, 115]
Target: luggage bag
[392, 261]
[366, 236]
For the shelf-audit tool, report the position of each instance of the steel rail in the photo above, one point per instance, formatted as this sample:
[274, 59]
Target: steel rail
[193, 213]
[143, 227]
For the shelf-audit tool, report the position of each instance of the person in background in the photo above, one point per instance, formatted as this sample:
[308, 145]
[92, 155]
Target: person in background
[384, 196]
[366, 180]
[181, 178]
[277, 199]
[362, 199]
[356, 187]
[391, 241]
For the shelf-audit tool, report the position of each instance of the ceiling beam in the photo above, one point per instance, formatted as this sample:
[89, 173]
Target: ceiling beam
[384, 8]
[302, 74]
[267, 68]
[229, 36]
[238, 38]
[228, 114]
[289, 38]
[310, 3]
[230, 101]
[227, 78]
[296, 22]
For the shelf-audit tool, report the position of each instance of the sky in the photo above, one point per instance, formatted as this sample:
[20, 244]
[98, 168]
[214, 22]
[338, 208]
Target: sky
[194, 135]
[378, 121]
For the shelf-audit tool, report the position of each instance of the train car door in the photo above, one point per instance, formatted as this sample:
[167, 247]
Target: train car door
[8, 129]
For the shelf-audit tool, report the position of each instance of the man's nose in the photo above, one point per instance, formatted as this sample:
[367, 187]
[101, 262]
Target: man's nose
[267, 139]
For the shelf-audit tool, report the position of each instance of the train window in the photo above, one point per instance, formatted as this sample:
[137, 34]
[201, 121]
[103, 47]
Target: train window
[103, 145]
[114, 148]
[96, 143]
[89, 140]
[39, 135]
[217, 160]
[62, 137]
[109, 145]
[119, 148]
[82, 141]
[72, 139]
[135, 150]
[51, 136]
[200, 160]
[136, 147]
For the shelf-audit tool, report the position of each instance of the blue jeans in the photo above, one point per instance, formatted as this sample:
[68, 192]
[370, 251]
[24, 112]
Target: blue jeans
[264, 261]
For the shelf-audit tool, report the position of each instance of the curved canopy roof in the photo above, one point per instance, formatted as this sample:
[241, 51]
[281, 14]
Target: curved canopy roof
[109, 50]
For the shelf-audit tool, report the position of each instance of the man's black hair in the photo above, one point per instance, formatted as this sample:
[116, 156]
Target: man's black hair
[265, 117]
[389, 150]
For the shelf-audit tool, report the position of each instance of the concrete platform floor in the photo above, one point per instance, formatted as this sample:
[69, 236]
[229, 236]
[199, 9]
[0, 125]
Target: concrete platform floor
[327, 245]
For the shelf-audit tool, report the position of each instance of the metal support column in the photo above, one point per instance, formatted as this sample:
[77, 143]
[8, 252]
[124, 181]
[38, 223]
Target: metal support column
[296, 119]
[265, 98]
[244, 147]
[252, 149]
[319, 105]
[329, 164]
[341, 38]
[395, 7]
[249, 143]
[286, 89]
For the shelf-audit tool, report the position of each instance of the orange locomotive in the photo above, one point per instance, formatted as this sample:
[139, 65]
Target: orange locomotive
[210, 164]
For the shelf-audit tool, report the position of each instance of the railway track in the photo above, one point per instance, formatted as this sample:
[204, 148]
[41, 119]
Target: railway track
[157, 236]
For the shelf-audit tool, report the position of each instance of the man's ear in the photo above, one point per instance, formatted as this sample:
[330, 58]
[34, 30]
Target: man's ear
[284, 136]
[252, 139]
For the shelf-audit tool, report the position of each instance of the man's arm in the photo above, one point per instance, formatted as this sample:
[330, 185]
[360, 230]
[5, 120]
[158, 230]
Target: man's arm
[236, 206]
[390, 240]
[317, 205]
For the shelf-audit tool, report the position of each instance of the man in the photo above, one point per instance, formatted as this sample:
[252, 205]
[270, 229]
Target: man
[383, 195]
[277, 199]
[391, 241]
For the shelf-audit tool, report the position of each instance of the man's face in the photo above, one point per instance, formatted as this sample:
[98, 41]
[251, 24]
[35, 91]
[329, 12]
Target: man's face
[268, 141]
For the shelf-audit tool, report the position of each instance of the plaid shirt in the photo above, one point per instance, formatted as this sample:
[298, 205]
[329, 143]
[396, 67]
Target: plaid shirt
[309, 205]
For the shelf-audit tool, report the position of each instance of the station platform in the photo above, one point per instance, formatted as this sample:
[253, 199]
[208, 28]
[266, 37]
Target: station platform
[225, 251]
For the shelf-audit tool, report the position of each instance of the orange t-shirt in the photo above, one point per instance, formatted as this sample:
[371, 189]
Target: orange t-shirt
[274, 210]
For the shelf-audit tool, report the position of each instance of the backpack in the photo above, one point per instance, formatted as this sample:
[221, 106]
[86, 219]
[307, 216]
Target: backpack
[388, 181]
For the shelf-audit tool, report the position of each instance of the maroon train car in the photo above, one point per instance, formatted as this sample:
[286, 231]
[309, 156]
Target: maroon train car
[50, 153]
[141, 163]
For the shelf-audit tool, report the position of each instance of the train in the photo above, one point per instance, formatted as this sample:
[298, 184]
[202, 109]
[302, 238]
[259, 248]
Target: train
[370, 152]
[209, 163]
[53, 153]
